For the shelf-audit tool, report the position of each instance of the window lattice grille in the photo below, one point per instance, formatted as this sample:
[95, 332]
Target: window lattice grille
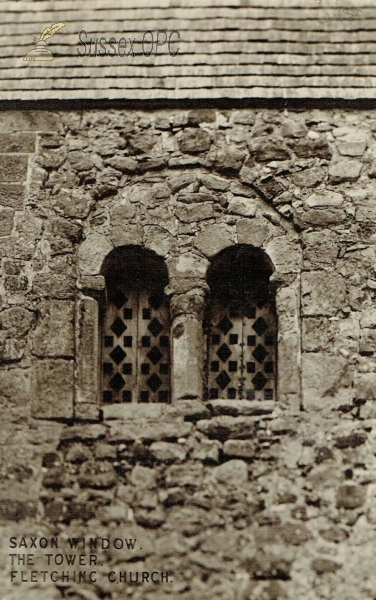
[136, 348]
[242, 352]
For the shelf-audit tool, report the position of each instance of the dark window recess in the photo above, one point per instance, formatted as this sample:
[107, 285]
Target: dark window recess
[135, 328]
[241, 326]
[127, 396]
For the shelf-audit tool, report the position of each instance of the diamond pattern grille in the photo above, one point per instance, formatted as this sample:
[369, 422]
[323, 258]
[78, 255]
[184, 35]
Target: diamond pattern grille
[135, 366]
[246, 369]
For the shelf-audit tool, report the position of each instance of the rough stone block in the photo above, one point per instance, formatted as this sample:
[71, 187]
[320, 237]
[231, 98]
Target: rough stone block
[213, 239]
[92, 253]
[13, 167]
[323, 376]
[28, 121]
[12, 195]
[213, 182]
[159, 239]
[52, 389]
[264, 149]
[352, 144]
[125, 164]
[239, 448]
[54, 333]
[54, 286]
[6, 221]
[194, 213]
[322, 293]
[187, 264]
[292, 128]
[232, 472]
[123, 235]
[194, 140]
[229, 158]
[324, 198]
[245, 207]
[87, 345]
[17, 142]
[253, 231]
[285, 254]
[308, 177]
[203, 115]
[307, 148]
[350, 496]
[319, 217]
[345, 170]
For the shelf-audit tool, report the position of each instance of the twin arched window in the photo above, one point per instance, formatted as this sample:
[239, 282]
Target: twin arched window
[240, 326]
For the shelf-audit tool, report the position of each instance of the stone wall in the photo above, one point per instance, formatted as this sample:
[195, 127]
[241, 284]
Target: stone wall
[236, 500]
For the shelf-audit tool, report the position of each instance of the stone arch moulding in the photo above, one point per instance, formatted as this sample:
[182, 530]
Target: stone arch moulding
[282, 246]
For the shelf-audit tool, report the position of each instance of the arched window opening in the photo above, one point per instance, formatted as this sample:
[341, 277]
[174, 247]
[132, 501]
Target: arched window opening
[135, 328]
[241, 326]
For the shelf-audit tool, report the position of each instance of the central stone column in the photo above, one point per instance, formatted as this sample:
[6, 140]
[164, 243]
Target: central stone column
[187, 340]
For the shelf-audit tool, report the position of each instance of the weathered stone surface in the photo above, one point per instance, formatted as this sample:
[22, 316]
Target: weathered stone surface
[268, 187]
[266, 150]
[307, 148]
[53, 389]
[92, 253]
[17, 142]
[80, 161]
[320, 217]
[229, 157]
[245, 207]
[195, 212]
[141, 142]
[194, 140]
[308, 178]
[324, 198]
[241, 407]
[158, 239]
[324, 376]
[84, 432]
[213, 239]
[325, 565]
[203, 115]
[292, 128]
[180, 181]
[346, 170]
[12, 195]
[232, 472]
[54, 286]
[6, 221]
[213, 182]
[125, 164]
[224, 427]
[97, 475]
[323, 293]
[239, 448]
[73, 204]
[29, 121]
[352, 144]
[285, 254]
[54, 334]
[353, 440]
[195, 197]
[168, 452]
[13, 168]
[254, 232]
[350, 496]
[127, 432]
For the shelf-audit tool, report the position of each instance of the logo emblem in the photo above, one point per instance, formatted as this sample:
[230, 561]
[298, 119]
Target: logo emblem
[41, 51]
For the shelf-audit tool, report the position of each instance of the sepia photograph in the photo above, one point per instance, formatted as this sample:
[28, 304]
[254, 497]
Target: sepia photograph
[188, 300]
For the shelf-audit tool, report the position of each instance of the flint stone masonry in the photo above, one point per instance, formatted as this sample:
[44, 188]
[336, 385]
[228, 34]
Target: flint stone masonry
[236, 498]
